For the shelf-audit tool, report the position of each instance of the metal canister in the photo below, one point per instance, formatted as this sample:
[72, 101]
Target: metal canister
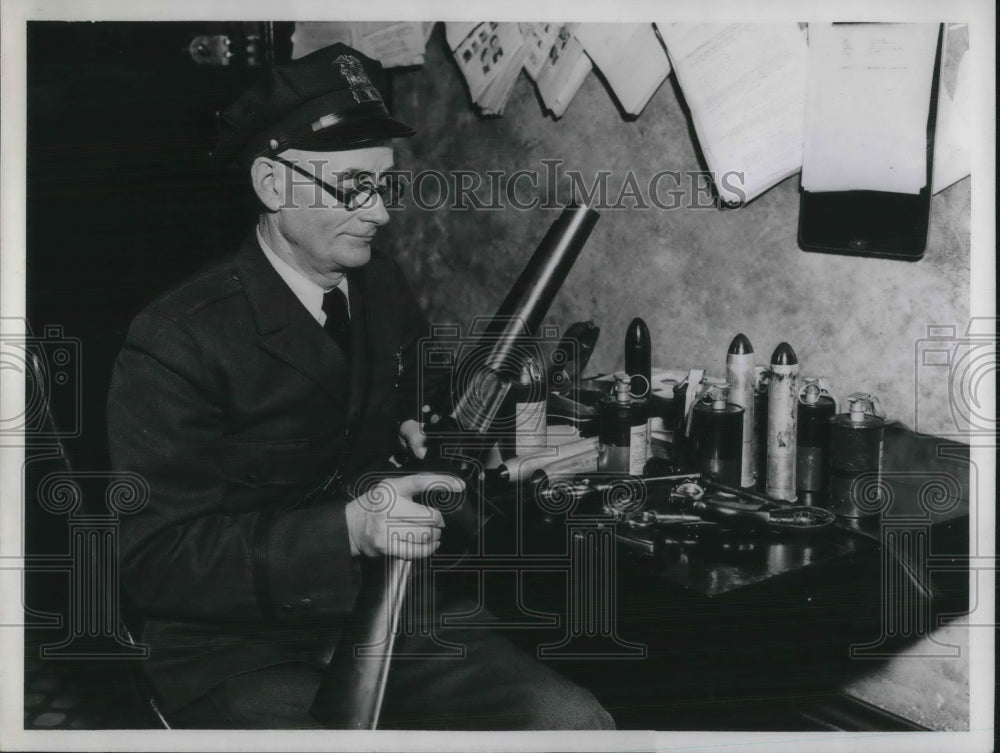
[816, 408]
[686, 395]
[854, 469]
[782, 415]
[524, 425]
[740, 374]
[679, 443]
[638, 356]
[717, 436]
[624, 430]
[530, 425]
[761, 376]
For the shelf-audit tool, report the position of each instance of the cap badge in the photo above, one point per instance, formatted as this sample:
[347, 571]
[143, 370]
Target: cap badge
[362, 88]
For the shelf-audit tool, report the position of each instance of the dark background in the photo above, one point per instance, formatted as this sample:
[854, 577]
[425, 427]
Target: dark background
[123, 197]
[124, 200]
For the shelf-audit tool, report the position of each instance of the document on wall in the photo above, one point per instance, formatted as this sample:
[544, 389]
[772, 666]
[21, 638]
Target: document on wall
[455, 32]
[868, 98]
[745, 85]
[394, 44]
[952, 139]
[563, 71]
[953, 135]
[310, 36]
[631, 58]
[490, 57]
[508, 57]
[538, 40]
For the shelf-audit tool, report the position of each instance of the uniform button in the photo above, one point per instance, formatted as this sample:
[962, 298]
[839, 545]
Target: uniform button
[287, 607]
[347, 433]
[306, 603]
[253, 476]
[235, 275]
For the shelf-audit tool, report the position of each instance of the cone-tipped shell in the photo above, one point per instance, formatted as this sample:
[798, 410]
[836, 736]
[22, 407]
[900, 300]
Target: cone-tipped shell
[740, 346]
[784, 355]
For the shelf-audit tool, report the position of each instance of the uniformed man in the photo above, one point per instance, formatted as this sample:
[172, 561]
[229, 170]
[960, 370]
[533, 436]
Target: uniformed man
[239, 393]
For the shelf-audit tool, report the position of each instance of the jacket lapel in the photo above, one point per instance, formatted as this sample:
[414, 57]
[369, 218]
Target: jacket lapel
[288, 331]
[363, 348]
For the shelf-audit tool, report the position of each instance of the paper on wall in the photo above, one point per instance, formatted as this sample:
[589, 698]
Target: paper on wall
[455, 32]
[631, 58]
[490, 58]
[866, 108]
[498, 92]
[538, 40]
[394, 44]
[745, 87]
[310, 36]
[563, 71]
[952, 139]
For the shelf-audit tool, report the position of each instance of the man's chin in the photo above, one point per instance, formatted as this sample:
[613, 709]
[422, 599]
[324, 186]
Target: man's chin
[356, 253]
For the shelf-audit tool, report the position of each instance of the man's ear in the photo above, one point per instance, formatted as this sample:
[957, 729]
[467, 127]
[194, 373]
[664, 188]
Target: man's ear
[267, 184]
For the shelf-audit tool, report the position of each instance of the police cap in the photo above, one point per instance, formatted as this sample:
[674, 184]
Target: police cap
[328, 100]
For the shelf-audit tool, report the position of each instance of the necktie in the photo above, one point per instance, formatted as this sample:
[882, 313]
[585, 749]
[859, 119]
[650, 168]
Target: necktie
[338, 322]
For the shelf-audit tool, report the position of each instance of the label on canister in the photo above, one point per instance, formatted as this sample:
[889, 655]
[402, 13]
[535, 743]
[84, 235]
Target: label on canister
[782, 430]
[529, 427]
[638, 450]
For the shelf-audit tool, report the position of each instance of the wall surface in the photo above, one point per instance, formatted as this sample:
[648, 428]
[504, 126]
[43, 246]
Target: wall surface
[697, 276]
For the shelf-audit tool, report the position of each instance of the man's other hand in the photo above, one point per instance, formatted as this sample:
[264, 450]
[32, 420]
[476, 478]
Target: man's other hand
[388, 507]
[413, 439]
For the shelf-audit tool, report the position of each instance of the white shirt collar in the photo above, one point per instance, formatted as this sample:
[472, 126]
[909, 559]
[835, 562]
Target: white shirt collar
[307, 291]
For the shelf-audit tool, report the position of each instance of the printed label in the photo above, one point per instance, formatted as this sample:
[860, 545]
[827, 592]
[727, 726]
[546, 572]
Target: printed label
[529, 426]
[638, 451]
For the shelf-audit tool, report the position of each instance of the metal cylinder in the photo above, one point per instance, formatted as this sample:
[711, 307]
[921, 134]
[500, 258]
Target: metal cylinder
[816, 408]
[717, 441]
[521, 467]
[740, 374]
[530, 425]
[782, 415]
[638, 357]
[582, 461]
[855, 459]
[678, 425]
[624, 431]
[761, 377]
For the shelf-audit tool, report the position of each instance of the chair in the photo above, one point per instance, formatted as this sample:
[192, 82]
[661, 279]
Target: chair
[118, 630]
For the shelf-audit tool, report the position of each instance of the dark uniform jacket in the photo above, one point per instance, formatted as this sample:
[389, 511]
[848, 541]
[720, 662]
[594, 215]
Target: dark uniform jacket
[235, 406]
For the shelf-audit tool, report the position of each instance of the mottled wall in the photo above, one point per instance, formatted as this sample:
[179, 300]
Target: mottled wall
[697, 276]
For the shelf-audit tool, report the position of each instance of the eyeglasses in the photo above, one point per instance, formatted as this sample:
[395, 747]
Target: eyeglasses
[390, 188]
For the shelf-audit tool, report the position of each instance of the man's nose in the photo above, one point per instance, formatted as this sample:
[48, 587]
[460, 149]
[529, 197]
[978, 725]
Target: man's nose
[374, 210]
